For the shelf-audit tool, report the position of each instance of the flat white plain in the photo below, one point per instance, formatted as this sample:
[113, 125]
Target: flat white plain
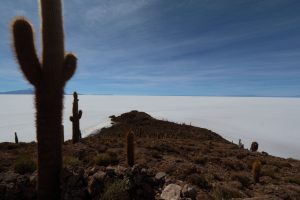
[272, 122]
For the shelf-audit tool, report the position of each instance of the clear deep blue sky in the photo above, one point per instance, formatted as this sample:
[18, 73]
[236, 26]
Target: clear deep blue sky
[171, 47]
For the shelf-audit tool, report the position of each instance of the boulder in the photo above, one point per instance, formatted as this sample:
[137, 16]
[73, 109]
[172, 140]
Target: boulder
[189, 191]
[171, 192]
[160, 175]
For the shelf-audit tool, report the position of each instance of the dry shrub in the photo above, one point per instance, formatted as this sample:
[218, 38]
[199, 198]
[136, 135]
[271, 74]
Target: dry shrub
[24, 165]
[256, 171]
[243, 179]
[105, 159]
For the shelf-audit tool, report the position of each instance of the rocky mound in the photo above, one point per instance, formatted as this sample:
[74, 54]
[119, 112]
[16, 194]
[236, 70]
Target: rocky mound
[133, 117]
[172, 162]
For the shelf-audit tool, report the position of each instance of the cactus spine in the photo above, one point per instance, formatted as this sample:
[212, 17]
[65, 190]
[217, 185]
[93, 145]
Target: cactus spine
[48, 78]
[130, 148]
[75, 119]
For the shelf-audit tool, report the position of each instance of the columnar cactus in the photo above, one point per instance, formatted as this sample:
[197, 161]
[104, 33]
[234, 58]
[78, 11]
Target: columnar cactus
[16, 138]
[256, 169]
[254, 146]
[75, 119]
[48, 77]
[130, 148]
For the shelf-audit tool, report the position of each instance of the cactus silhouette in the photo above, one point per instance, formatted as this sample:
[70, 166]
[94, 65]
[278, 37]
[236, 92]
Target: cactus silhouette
[16, 138]
[48, 78]
[75, 119]
[130, 148]
[254, 146]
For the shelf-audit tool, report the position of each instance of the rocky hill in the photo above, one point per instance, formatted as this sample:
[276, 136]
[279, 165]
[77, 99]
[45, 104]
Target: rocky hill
[172, 161]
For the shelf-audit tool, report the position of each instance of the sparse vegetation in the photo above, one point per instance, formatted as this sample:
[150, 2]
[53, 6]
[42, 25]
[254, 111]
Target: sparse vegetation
[243, 179]
[24, 164]
[155, 154]
[105, 159]
[198, 180]
[292, 180]
[199, 159]
[117, 190]
[225, 192]
[71, 161]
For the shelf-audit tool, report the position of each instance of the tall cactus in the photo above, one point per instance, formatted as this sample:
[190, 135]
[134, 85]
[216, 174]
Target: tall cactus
[130, 148]
[16, 138]
[75, 119]
[48, 78]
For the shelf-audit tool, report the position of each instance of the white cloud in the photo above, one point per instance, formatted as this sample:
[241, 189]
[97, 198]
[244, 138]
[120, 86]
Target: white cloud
[109, 10]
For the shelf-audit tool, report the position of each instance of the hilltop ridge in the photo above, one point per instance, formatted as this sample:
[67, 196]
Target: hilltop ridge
[172, 161]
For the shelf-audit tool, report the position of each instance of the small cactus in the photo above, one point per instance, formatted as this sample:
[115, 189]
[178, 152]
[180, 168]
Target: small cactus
[16, 138]
[256, 169]
[75, 119]
[254, 146]
[130, 148]
[241, 145]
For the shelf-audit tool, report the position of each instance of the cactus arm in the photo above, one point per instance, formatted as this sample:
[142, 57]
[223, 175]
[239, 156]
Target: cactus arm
[79, 114]
[25, 50]
[70, 64]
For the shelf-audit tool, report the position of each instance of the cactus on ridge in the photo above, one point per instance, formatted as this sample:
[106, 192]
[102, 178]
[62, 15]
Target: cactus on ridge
[76, 136]
[16, 138]
[254, 146]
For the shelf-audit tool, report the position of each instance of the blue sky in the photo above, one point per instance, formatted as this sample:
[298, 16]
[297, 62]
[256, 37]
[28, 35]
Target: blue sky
[171, 47]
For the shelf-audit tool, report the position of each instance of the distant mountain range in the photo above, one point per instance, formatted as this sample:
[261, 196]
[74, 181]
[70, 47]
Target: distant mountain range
[31, 91]
[26, 91]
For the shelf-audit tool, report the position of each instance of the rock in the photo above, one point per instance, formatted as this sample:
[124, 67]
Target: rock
[33, 178]
[74, 184]
[160, 175]
[171, 192]
[189, 192]
[110, 171]
[14, 186]
[99, 176]
[94, 187]
[8, 177]
[119, 170]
